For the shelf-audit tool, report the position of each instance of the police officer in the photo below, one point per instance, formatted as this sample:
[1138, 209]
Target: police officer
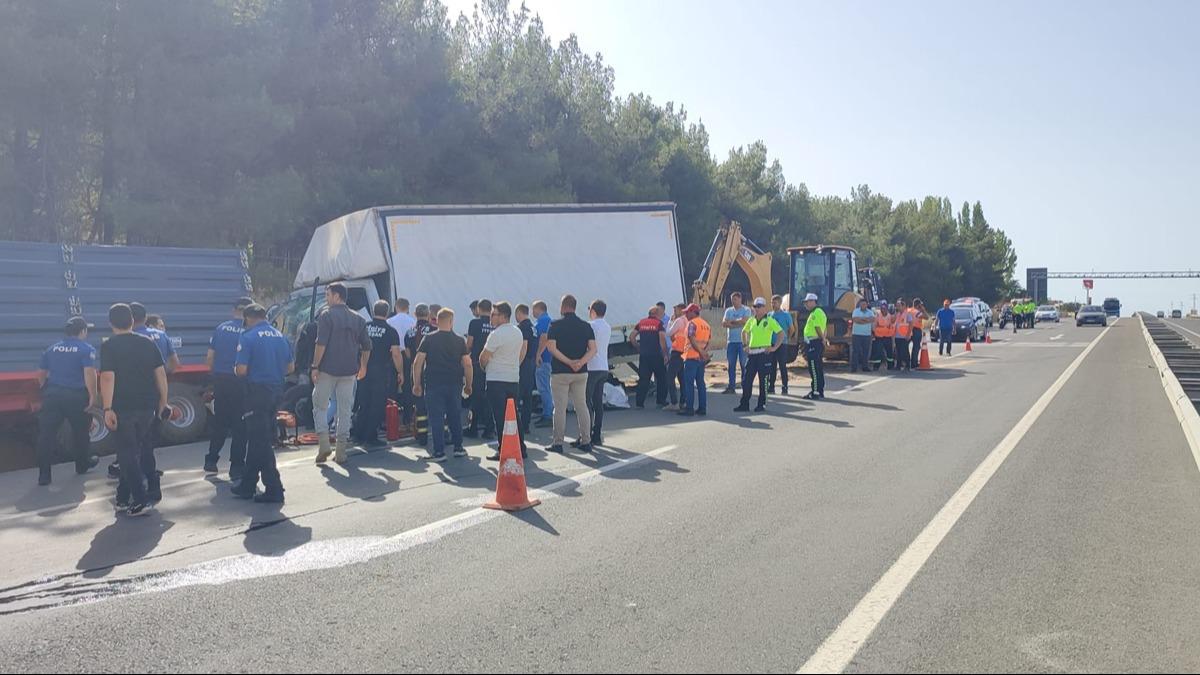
[412, 344]
[68, 378]
[762, 336]
[229, 395]
[264, 358]
[385, 371]
[815, 342]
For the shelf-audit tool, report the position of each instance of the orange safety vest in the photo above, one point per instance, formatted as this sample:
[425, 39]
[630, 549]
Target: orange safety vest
[679, 341]
[904, 325]
[917, 320]
[885, 326]
[702, 336]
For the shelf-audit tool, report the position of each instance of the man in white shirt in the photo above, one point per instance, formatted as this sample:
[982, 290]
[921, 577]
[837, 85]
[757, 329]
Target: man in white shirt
[403, 322]
[501, 360]
[598, 368]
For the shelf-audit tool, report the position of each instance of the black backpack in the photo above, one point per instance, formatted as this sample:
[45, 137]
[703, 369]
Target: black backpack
[306, 347]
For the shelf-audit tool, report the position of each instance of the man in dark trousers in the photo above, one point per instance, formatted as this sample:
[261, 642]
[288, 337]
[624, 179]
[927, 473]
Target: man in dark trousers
[528, 368]
[67, 374]
[385, 368]
[477, 335]
[761, 336]
[133, 390]
[264, 358]
[229, 395]
[170, 361]
[650, 338]
[442, 373]
[412, 344]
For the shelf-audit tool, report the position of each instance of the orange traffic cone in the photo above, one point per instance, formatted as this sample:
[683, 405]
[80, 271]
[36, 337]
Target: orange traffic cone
[988, 338]
[925, 365]
[969, 343]
[511, 492]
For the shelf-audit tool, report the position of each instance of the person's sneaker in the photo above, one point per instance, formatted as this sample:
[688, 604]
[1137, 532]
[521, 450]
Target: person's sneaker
[211, 469]
[460, 452]
[154, 497]
[92, 463]
[114, 470]
[121, 505]
[494, 457]
[821, 396]
[685, 412]
[44, 477]
[784, 392]
[243, 493]
[661, 406]
[438, 458]
[811, 396]
[139, 510]
[597, 439]
[556, 449]
[729, 390]
[269, 498]
[702, 412]
[771, 390]
[760, 408]
[745, 407]
[586, 448]
[236, 472]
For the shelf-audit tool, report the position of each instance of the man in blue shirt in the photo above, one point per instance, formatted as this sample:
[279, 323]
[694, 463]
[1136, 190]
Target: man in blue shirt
[783, 355]
[229, 395]
[67, 374]
[264, 358]
[542, 328]
[863, 324]
[735, 317]
[160, 339]
[946, 329]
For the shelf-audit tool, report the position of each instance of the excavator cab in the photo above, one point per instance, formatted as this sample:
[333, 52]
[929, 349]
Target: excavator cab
[832, 273]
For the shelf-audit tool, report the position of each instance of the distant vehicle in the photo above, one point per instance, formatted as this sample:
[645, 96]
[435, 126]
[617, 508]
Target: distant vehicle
[984, 308]
[1112, 307]
[968, 321]
[1177, 314]
[1046, 313]
[1161, 314]
[1091, 314]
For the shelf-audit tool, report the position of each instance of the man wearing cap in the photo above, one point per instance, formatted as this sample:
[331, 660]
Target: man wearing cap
[815, 341]
[264, 358]
[695, 358]
[67, 375]
[229, 395]
[762, 336]
[860, 348]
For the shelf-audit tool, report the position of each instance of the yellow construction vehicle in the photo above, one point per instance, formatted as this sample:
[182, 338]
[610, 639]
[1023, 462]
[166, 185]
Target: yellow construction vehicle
[731, 247]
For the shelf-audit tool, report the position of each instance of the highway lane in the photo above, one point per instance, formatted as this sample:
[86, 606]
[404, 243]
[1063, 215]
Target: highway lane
[736, 542]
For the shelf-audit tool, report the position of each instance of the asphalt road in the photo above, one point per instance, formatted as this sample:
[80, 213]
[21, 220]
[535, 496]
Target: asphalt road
[735, 543]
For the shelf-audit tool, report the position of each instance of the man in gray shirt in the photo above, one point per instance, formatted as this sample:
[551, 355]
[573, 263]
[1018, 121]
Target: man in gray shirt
[340, 359]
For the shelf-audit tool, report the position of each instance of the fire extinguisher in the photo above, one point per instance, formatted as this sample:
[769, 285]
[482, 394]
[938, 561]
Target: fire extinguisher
[393, 421]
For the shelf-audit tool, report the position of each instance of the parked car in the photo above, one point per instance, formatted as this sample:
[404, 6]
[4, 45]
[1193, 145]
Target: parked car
[1177, 314]
[1046, 313]
[984, 308]
[1091, 314]
[1162, 314]
[968, 322]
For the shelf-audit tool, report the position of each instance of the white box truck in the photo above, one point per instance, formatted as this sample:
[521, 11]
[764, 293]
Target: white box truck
[625, 254]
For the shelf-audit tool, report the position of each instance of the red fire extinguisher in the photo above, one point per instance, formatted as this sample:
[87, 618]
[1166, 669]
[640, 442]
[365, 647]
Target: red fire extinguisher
[393, 421]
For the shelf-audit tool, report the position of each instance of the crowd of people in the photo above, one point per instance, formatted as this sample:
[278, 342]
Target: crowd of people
[414, 357]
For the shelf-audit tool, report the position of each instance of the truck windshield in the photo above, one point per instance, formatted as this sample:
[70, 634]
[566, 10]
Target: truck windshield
[812, 276]
[294, 313]
[1112, 303]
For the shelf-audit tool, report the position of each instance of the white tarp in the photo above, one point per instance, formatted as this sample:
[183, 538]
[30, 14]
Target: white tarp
[346, 248]
[630, 259]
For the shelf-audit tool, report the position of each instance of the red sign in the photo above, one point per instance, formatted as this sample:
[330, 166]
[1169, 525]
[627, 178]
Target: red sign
[1088, 284]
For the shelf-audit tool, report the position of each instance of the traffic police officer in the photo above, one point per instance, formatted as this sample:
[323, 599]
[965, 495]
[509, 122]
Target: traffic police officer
[815, 342]
[229, 395]
[264, 358]
[68, 378]
[385, 366]
[762, 336]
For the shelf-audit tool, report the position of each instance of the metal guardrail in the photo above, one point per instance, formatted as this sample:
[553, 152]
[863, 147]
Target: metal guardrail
[1182, 356]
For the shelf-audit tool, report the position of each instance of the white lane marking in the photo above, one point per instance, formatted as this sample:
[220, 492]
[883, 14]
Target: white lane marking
[324, 554]
[840, 648]
[862, 385]
[1172, 323]
[1185, 411]
[1057, 337]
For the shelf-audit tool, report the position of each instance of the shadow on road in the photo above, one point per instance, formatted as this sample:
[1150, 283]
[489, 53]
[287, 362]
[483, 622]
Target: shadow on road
[63, 495]
[125, 540]
[275, 537]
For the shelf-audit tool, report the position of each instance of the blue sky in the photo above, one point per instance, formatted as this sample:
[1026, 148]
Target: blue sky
[1075, 123]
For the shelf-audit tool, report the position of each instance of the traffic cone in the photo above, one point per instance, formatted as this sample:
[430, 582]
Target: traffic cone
[988, 338]
[969, 343]
[511, 494]
[925, 365]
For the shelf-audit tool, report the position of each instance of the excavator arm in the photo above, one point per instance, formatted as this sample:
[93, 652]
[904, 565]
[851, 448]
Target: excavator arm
[731, 247]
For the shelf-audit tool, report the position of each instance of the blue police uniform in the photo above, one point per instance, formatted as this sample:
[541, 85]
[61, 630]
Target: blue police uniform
[65, 398]
[266, 354]
[160, 339]
[229, 400]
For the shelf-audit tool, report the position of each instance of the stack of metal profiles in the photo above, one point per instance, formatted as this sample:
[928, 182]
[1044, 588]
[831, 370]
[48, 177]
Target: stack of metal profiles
[1182, 355]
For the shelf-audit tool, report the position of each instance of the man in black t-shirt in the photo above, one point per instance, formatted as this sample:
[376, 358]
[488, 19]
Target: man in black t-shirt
[442, 374]
[385, 368]
[650, 337]
[572, 343]
[528, 368]
[477, 335]
[412, 343]
[133, 390]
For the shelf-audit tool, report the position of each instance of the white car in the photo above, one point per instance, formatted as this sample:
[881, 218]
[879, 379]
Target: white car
[984, 309]
[1046, 313]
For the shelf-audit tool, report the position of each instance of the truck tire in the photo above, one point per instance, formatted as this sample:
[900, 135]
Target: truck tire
[189, 415]
[101, 440]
